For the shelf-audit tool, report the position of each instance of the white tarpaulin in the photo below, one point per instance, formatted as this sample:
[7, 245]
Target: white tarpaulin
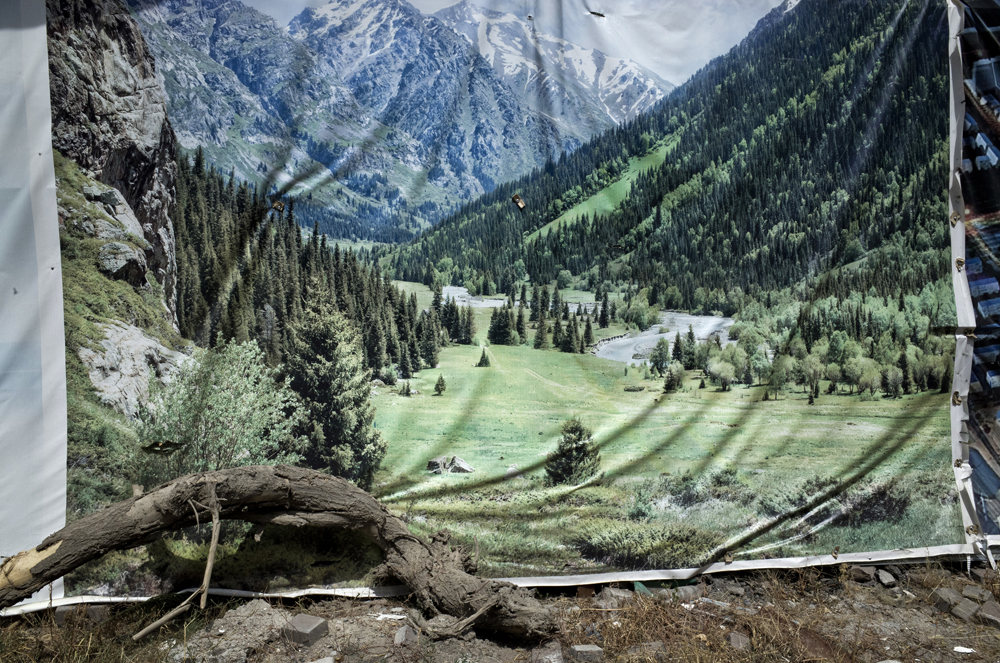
[32, 356]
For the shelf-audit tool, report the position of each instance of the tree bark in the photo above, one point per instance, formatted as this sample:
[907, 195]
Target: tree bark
[439, 577]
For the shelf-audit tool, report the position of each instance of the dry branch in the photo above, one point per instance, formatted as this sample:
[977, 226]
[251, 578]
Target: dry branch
[440, 578]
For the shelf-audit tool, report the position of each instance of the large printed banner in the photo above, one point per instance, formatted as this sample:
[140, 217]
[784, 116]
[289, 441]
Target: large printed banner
[649, 288]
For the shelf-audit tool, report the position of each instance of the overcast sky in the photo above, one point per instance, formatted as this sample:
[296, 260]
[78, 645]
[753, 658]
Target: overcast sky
[674, 38]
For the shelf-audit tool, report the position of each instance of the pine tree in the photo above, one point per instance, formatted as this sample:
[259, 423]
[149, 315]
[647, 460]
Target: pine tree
[603, 321]
[535, 303]
[484, 360]
[588, 334]
[440, 386]
[429, 339]
[904, 366]
[326, 367]
[557, 332]
[677, 352]
[522, 330]
[577, 457]
[541, 335]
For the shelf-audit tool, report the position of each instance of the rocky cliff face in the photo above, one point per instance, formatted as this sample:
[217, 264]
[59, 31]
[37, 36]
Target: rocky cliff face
[109, 115]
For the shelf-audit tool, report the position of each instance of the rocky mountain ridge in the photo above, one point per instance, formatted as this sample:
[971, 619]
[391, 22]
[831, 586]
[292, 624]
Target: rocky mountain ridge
[580, 87]
[364, 103]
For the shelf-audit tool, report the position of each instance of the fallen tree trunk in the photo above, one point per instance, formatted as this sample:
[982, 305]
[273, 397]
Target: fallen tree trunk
[283, 495]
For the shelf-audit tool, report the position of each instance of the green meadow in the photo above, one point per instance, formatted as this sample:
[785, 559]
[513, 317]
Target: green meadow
[685, 475]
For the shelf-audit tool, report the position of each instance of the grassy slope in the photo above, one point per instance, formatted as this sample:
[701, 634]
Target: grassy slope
[510, 414]
[608, 198]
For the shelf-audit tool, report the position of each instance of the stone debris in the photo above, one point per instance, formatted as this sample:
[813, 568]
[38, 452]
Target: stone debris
[550, 652]
[885, 578]
[977, 593]
[327, 659]
[739, 641]
[305, 629]
[945, 598]
[965, 609]
[235, 635]
[612, 598]
[586, 653]
[684, 594]
[989, 613]
[405, 637]
[862, 573]
[982, 575]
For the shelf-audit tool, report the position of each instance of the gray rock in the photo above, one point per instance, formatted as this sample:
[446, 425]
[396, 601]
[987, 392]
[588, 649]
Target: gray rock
[459, 466]
[885, 578]
[862, 573]
[438, 465]
[965, 609]
[121, 373]
[612, 598]
[989, 614]
[977, 593]
[305, 629]
[738, 641]
[327, 659]
[550, 652]
[512, 473]
[586, 653]
[684, 594]
[890, 660]
[944, 598]
[123, 262]
[234, 636]
[405, 637]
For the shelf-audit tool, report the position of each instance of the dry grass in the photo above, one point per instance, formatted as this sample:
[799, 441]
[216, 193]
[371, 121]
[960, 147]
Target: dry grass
[37, 637]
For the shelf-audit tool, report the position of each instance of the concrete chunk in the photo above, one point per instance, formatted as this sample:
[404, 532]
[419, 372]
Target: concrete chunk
[862, 573]
[305, 629]
[977, 593]
[885, 578]
[982, 575]
[405, 637]
[739, 641]
[965, 609]
[944, 598]
[989, 614]
[586, 653]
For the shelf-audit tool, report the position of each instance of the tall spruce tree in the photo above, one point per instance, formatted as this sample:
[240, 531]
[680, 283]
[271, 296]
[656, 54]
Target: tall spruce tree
[326, 369]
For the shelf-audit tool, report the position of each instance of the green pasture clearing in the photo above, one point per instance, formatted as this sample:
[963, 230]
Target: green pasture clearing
[510, 415]
[610, 197]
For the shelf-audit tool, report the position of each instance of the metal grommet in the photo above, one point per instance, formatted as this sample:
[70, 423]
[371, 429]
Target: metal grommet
[958, 462]
[836, 552]
[955, 218]
[729, 558]
[972, 530]
[956, 399]
[959, 263]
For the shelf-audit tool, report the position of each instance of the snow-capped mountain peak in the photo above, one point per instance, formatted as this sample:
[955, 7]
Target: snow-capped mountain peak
[552, 72]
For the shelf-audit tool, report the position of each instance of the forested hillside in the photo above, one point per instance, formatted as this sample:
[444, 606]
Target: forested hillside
[817, 142]
[248, 272]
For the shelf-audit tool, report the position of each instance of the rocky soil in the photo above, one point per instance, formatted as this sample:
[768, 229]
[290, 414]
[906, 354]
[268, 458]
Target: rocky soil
[864, 614]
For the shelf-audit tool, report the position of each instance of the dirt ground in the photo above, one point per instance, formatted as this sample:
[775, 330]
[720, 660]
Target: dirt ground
[833, 614]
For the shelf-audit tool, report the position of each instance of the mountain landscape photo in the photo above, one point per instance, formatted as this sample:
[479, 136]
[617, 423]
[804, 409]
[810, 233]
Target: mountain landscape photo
[582, 316]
